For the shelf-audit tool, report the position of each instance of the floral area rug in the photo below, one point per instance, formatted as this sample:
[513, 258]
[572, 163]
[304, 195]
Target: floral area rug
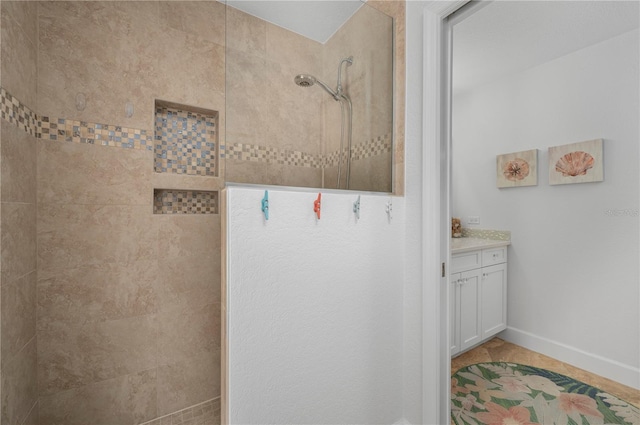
[512, 394]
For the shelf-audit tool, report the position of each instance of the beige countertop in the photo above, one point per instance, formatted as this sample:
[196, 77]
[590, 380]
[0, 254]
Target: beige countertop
[471, 244]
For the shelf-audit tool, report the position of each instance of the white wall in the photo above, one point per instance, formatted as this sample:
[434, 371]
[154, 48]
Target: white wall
[573, 266]
[315, 308]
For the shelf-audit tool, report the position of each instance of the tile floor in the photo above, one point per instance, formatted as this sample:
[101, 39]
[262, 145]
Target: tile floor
[497, 350]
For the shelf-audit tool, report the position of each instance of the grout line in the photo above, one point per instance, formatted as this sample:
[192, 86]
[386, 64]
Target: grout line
[180, 411]
[24, 421]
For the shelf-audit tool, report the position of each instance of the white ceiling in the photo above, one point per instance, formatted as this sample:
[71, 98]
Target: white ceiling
[314, 19]
[506, 37]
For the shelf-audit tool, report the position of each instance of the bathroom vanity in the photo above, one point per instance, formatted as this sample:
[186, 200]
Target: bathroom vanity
[478, 285]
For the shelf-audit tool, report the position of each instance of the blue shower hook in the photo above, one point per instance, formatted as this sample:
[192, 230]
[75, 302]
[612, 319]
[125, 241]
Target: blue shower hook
[356, 208]
[265, 205]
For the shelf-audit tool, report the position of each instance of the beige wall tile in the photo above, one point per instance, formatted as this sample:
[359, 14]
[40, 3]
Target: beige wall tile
[180, 236]
[289, 175]
[18, 51]
[368, 81]
[373, 173]
[71, 356]
[183, 384]
[247, 85]
[286, 47]
[294, 114]
[204, 19]
[95, 32]
[99, 175]
[19, 385]
[185, 333]
[188, 282]
[128, 399]
[18, 239]
[128, 55]
[331, 177]
[33, 418]
[18, 166]
[26, 16]
[18, 371]
[245, 171]
[18, 315]
[188, 261]
[331, 126]
[246, 33]
[71, 236]
[97, 293]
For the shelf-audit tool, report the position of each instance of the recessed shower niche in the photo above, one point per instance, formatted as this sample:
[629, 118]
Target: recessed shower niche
[185, 143]
[186, 140]
[177, 201]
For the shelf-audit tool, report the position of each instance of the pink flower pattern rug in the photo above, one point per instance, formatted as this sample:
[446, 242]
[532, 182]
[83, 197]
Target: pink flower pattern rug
[513, 394]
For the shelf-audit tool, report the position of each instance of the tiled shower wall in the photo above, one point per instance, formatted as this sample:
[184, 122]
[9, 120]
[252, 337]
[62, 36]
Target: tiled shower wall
[128, 301]
[18, 359]
[369, 84]
[282, 134]
[274, 127]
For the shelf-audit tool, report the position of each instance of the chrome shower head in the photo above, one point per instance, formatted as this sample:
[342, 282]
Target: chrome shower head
[304, 80]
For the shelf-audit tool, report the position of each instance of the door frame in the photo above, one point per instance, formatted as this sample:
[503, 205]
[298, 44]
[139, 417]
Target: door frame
[438, 21]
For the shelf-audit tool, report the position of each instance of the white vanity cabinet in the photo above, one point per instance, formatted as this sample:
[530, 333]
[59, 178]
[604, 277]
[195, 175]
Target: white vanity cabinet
[478, 296]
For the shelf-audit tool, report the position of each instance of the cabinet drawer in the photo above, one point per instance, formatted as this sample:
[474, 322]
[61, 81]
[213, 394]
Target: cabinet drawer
[494, 256]
[466, 261]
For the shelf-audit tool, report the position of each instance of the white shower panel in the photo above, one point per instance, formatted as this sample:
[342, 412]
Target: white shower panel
[314, 308]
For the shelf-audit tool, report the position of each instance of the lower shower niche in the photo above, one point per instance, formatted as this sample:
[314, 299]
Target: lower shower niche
[178, 201]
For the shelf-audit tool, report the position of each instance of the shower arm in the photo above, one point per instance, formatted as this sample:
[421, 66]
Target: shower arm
[333, 94]
[349, 62]
[349, 137]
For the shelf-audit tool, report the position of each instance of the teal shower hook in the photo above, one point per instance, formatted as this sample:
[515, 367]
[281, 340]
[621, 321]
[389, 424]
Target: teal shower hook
[356, 208]
[265, 205]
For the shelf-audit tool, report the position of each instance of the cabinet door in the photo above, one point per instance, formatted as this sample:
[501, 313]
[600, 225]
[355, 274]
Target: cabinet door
[469, 307]
[494, 299]
[454, 322]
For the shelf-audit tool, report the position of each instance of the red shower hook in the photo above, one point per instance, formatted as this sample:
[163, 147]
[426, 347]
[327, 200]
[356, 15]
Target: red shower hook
[316, 206]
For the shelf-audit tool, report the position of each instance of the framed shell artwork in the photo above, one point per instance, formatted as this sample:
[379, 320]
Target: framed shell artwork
[576, 163]
[517, 169]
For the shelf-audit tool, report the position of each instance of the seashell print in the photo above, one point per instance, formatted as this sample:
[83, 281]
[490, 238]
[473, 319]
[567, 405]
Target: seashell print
[516, 169]
[574, 164]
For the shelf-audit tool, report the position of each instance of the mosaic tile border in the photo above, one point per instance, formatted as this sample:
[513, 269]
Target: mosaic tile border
[15, 112]
[61, 129]
[258, 153]
[250, 152]
[176, 201]
[206, 413]
[49, 128]
[497, 235]
[374, 147]
[93, 133]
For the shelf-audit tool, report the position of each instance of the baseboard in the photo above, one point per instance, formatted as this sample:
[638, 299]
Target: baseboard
[602, 366]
